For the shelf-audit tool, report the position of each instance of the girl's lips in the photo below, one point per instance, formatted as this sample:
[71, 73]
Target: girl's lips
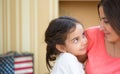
[83, 48]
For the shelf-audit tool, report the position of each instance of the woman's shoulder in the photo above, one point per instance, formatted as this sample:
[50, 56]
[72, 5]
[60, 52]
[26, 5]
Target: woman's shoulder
[94, 36]
[93, 29]
[94, 32]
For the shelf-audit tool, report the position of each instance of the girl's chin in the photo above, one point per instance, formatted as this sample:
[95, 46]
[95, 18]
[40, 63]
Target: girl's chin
[83, 52]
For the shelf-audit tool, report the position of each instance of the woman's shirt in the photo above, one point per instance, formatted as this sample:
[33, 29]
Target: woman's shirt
[99, 61]
[67, 63]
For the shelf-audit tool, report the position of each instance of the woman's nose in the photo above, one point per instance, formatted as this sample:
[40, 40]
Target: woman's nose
[101, 27]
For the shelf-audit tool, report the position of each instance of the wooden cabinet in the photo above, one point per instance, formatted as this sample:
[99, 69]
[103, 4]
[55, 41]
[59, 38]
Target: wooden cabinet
[84, 10]
[79, 0]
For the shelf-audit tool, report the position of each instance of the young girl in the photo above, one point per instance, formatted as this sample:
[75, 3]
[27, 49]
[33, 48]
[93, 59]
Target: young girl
[65, 42]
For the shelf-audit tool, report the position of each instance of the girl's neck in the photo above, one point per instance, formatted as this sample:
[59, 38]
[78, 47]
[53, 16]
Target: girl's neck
[82, 58]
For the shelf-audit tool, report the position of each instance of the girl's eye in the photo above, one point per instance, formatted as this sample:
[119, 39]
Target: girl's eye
[75, 40]
[83, 35]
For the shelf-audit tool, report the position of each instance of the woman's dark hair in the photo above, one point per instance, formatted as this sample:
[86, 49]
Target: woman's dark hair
[56, 33]
[111, 9]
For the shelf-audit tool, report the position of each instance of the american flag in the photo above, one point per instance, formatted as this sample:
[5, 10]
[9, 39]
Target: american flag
[17, 64]
[23, 65]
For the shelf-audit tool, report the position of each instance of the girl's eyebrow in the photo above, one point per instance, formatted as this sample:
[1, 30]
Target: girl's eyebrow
[74, 38]
[77, 36]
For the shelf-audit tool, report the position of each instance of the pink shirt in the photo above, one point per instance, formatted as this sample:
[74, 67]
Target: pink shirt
[99, 61]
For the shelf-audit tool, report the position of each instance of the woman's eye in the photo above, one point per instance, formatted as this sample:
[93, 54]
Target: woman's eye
[106, 21]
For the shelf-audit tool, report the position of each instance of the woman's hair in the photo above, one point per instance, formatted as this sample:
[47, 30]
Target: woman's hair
[112, 11]
[56, 33]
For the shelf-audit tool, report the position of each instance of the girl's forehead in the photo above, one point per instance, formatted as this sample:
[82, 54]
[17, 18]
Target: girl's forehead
[78, 30]
[77, 26]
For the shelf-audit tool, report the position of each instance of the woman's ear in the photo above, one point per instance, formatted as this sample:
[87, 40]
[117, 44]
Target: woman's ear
[60, 48]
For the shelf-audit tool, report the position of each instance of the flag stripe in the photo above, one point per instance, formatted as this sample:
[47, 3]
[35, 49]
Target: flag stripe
[27, 61]
[24, 58]
[23, 65]
[23, 68]
[24, 71]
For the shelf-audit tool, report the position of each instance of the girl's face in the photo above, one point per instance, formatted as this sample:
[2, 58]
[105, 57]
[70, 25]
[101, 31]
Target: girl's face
[76, 42]
[110, 34]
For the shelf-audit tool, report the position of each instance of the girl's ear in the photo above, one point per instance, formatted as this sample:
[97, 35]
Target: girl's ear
[60, 48]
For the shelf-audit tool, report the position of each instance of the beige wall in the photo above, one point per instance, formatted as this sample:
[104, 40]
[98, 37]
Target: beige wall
[22, 27]
[84, 11]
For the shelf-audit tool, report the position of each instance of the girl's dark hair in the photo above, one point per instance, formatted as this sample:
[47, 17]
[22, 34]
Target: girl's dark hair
[56, 33]
[112, 11]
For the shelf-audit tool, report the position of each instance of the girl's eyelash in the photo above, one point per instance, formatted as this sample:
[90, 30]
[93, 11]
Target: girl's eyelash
[83, 34]
[74, 40]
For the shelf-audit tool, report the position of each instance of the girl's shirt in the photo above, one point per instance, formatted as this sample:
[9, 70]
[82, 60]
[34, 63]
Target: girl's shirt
[67, 63]
[99, 61]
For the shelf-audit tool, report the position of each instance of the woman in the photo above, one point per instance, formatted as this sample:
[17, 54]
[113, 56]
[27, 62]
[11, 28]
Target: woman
[104, 41]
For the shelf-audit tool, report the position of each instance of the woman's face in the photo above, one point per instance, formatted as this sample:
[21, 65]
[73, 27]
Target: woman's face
[76, 42]
[110, 34]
